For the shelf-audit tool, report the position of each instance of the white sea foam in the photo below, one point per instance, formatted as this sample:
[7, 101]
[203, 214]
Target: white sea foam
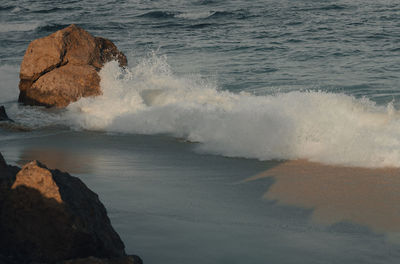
[318, 126]
[16, 9]
[12, 27]
[195, 15]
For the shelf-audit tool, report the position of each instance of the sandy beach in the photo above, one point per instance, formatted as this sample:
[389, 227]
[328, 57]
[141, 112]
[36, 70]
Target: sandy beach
[335, 194]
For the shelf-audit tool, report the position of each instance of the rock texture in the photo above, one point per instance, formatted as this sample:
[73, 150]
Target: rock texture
[6, 176]
[3, 115]
[92, 260]
[49, 216]
[4, 173]
[62, 67]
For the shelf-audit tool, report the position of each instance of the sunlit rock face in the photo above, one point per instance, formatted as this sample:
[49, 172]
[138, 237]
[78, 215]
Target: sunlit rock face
[49, 216]
[62, 67]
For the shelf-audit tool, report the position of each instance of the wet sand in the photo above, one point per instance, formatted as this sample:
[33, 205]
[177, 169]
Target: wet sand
[171, 204]
[368, 197]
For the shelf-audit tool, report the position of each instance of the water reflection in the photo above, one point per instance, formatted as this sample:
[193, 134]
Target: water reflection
[64, 160]
[369, 197]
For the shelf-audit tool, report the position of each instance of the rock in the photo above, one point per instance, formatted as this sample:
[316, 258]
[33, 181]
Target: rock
[5, 174]
[49, 216]
[91, 260]
[62, 67]
[3, 115]
[54, 88]
[6, 260]
[5, 179]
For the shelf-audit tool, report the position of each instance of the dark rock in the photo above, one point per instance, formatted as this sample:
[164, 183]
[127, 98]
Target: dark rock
[3, 168]
[92, 260]
[49, 216]
[62, 67]
[6, 260]
[7, 176]
[3, 115]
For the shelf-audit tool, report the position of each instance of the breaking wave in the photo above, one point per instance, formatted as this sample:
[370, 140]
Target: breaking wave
[17, 27]
[323, 127]
[237, 14]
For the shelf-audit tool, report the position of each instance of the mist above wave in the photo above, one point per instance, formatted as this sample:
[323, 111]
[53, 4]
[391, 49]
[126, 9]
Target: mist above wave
[318, 126]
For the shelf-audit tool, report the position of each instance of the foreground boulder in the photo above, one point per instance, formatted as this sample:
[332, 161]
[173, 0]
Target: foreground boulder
[49, 216]
[63, 67]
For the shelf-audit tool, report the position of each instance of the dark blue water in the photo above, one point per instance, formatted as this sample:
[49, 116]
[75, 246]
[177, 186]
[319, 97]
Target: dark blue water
[262, 46]
[259, 82]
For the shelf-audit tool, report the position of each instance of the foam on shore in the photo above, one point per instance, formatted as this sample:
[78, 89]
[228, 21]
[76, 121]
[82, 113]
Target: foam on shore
[323, 127]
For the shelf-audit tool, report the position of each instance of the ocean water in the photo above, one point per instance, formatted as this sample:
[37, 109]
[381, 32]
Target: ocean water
[233, 121]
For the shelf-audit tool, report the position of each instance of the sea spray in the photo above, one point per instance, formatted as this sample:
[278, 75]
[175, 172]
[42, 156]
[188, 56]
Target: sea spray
[318, 126]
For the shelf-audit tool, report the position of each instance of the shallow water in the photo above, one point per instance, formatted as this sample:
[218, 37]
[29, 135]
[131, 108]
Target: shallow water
[216, 95]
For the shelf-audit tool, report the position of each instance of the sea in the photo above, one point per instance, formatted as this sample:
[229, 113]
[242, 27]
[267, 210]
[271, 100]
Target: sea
[259, 131]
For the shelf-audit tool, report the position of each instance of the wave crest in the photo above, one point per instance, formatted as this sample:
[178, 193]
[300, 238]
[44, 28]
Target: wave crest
[318, 126]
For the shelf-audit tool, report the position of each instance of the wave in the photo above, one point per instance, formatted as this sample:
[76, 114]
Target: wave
[50, 28]
[52, 10]
[317, 126]
[195, 15]
[15, 27]
[158, 14]
[18, 9]
[200, 26]
[36, 26]
[207, 2]
[6, 7]
[238, 14]
[333, 7]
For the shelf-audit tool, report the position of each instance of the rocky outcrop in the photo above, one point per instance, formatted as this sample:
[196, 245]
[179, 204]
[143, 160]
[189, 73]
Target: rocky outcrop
[62, 67]
[3, 115]
[4, 173]
[92, 260]
[49, 216]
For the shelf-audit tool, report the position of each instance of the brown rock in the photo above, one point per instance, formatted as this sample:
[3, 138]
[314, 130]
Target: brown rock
[108, 51]
[55, 87]
[62, 67]
[34, 176]
[49, 216]
[42, 55]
